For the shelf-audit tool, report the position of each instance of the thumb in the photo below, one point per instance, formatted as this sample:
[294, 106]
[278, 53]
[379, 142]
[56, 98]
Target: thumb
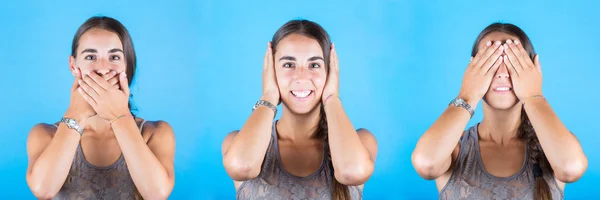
[536, 61]
[124, 83]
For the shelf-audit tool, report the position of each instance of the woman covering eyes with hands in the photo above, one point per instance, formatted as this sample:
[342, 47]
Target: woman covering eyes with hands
[313, 150]
[521, 149]
[99, 149]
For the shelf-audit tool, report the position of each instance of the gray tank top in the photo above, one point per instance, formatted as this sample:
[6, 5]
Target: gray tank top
[275, 183]
[469, 180]
[86, 181]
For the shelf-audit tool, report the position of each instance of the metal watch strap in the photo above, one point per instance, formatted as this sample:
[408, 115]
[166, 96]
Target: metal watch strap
[458, 102]
[72, 124]
[265, 103]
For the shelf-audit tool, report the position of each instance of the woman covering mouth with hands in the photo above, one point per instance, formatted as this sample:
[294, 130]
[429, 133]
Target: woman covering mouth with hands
[521, 149]
[99, 149]
[313, 151]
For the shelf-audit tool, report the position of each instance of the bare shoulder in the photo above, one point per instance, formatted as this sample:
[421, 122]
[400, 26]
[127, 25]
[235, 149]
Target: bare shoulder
[42, 130]
[157, 129]
[227, 141]
[366, 135]
[369, 141]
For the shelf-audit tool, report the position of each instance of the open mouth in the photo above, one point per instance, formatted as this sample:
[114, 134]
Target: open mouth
[502, 89]
[301, 94]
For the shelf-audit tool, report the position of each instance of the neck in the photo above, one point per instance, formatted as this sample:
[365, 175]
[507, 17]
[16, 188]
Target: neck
[500, 126]
[298, 127]
[98, 126]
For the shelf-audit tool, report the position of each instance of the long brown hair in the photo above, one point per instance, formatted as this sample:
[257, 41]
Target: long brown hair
[525, 130]
[313, 30]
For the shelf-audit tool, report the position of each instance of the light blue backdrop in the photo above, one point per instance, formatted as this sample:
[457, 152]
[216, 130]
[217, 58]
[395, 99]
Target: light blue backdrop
[200, 69]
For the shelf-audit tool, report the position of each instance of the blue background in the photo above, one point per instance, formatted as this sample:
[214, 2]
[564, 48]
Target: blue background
[199, 68]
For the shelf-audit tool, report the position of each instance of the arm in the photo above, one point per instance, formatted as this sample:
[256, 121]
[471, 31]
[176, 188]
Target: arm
[150, 165]
[50, 158]
[560, 146]
[352, 154]
[433, 154]
[244, 152]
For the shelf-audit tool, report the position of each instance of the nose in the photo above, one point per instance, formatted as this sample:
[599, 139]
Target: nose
[502, 72]
[301, 74]
[103, 67]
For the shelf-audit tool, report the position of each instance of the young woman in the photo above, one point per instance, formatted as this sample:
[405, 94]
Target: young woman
[313, 151]
[521, 150]
[99, 149]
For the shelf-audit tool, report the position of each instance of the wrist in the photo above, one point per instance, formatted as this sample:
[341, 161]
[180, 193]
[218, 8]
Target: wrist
[472, 101]
[79, 117]
[272, 100]
[329, 98]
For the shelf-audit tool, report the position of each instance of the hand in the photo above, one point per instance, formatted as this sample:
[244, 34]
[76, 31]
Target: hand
[270, 88]
[78, 109]
[479, 73]
[526, 75]
[333, 77]
[107, 100]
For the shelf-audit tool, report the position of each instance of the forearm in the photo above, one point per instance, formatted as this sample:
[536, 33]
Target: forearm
[349, 156]
[149, 175]
[561, 147]
[432, 154]
[245, 154]
[50, 170]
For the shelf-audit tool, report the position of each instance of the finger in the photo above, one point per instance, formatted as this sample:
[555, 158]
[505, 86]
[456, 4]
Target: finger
[495, 66]
[86, 97]
[109, 75]
[522, 55]
[113, 81]
[480, 51]
[266, 59]
[492, 59]
[88, 90]
[488, 53]
[99, 81]
[511, 69]
[92, 84]
[124, 84]
[513, 59]
[537, 63]
[334, 62]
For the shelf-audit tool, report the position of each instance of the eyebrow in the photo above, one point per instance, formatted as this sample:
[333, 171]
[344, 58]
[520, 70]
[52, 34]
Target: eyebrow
[316, 58]
[89, 51]
[294, 59]
[96, 51]
[115, 50]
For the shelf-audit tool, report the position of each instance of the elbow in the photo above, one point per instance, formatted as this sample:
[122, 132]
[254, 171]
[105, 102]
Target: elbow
[571, 170]
[160, 194]
[239, 170]
[355, 174]
[39, 188]
[425, 166]
[41, 191]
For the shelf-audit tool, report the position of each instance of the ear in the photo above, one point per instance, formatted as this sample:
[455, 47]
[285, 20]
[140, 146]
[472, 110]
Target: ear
[73, 67]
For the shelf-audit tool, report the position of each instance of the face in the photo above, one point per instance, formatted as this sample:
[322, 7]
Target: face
[99, 51]
[300, 72]
[500, 95]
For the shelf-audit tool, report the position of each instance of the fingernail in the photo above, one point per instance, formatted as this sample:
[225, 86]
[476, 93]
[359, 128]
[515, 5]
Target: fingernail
[501, 47]
[517, 42]
[508, 41]
[497, 43]
[489, 43]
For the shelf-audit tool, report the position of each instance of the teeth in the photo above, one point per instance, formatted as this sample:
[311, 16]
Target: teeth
[503, 89]
[301, 94]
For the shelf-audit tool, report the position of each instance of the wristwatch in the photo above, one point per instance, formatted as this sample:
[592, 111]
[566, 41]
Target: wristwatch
[72, 124]
[265, 103]
[458, 102]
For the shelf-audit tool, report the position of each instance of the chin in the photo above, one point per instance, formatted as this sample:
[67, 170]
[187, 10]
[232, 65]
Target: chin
[501, 103]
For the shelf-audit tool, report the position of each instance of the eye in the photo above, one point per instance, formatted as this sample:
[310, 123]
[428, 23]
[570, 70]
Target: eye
[90, 57]
[315, 65]
[115, 57]
[288, 65]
